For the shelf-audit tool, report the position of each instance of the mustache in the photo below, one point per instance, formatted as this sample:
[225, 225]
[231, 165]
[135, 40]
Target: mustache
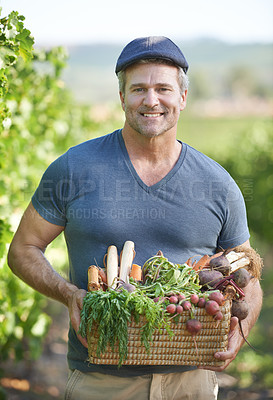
[145, 110]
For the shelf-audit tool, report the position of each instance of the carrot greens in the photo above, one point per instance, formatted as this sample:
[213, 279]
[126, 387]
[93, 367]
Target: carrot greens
[109, 313]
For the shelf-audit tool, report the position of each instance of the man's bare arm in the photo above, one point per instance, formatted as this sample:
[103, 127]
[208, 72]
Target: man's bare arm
[27, 260]
[253, 297]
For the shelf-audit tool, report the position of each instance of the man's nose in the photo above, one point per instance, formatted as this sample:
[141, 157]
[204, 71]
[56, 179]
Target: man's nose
[151, 98]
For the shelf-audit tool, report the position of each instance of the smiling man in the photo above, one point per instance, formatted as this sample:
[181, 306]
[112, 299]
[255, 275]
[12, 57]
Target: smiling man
[109, 190]
[152, 99]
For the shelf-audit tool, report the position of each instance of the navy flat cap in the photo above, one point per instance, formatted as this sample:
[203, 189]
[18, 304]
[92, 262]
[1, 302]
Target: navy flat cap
[151, 47]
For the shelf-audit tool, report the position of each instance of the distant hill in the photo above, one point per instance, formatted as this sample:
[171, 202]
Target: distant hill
[90, 71]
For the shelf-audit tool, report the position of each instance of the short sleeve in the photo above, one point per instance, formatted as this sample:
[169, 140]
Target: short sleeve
[51, 195]
[235, 228]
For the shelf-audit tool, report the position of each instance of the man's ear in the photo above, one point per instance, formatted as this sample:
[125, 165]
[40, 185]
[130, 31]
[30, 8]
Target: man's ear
[183, 100]
[121, 96]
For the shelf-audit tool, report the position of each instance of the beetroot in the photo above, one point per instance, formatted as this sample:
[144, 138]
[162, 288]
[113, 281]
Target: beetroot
[212, 307]
[210, 278]
[220, 264]
[239, 309]
[241, 277]
[127, 286]
[193, 326]
[218, 297]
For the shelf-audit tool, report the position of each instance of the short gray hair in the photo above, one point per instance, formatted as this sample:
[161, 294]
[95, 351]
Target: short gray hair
[183, 79]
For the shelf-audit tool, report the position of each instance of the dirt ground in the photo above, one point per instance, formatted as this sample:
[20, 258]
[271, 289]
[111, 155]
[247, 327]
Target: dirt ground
[45, 378]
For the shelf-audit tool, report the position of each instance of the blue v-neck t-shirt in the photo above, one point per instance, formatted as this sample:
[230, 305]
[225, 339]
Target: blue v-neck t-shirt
[95, 193]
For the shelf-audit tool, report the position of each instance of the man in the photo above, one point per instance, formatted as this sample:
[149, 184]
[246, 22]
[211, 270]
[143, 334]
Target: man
[141, 184]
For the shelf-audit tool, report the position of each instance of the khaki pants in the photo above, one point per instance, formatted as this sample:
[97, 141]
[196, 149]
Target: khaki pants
[198, 384]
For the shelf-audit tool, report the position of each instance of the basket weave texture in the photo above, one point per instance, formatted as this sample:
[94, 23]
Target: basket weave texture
[180, 350]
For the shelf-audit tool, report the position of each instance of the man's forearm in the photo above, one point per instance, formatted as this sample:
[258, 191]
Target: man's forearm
[30, 265]
[254, 298]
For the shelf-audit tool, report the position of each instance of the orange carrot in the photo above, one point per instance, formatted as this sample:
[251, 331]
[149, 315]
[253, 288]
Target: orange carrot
[189, 262]
[201, 263]
[136, 272]
[102, 275]
[93, 278]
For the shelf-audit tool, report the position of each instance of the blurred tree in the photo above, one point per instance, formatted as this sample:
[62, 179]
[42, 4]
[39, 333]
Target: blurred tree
[38, 121]
[252, 168]
[200, 85]
[253, 171]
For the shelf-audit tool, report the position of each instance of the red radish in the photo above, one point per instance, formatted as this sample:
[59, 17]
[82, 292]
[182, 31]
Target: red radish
[181, 297]
[171, 308]
[179, 309]
[218, 316]
[186, 305]
[201, 303]
[173, 299]
[193, 326]
[218, 297]
[212, 307]
[194, 298]
[156, 299]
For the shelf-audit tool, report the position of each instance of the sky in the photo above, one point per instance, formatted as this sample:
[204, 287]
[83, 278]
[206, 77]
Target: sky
[75, 22]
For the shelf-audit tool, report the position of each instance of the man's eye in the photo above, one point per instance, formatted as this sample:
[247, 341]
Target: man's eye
[163, 89]
[138, 90]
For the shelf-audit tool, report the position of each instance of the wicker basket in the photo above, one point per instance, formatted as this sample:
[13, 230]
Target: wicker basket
[180, 350]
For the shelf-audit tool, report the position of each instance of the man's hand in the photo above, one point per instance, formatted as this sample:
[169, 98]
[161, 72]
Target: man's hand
[234, 345]
[75, 304]
[235, 339]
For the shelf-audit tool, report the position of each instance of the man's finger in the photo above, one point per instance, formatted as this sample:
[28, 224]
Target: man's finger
[83, 341]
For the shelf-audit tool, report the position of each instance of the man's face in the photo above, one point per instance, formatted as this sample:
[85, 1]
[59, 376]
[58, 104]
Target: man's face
[152, 100]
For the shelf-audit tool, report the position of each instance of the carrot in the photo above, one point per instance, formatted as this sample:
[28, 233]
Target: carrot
[189, 261]
[112, 265]
[102, 275]
[127, 256]
[93, 278]
[201, 263]
[136, 272]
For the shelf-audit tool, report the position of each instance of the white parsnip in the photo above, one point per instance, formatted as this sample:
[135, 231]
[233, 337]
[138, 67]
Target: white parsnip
[127, 257]
[234, 256]
[112, 266]
[241, 263]
[237, 260]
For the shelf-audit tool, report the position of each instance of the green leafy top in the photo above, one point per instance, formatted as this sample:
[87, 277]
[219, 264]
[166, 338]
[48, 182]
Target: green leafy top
[109, 312]
[15, 41]
[163, 278]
